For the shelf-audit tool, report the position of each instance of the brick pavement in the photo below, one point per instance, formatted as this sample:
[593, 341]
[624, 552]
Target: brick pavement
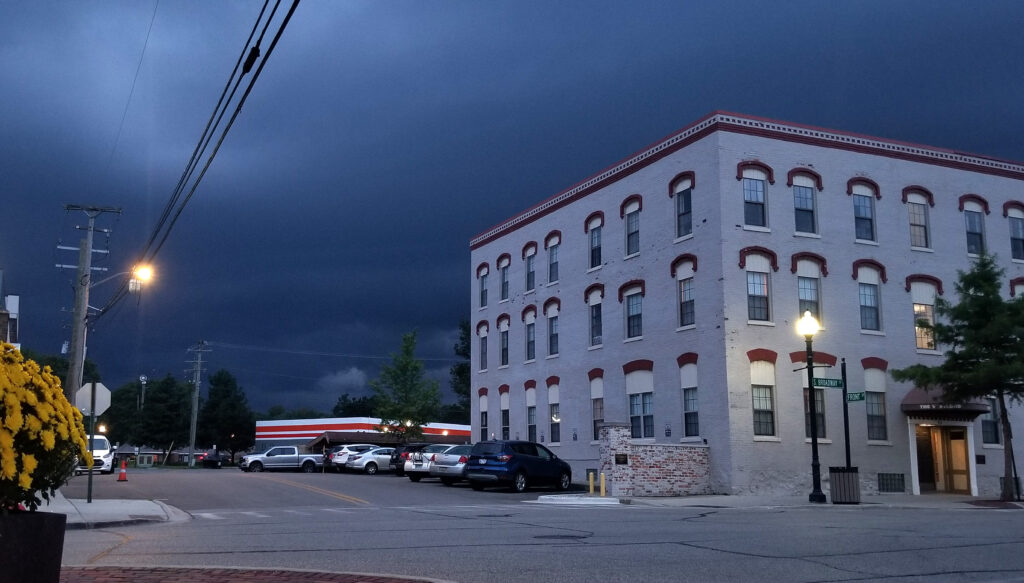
[214, 575]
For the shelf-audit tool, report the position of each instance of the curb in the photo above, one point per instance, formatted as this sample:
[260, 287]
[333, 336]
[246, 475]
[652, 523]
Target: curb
[577, 499]
[102, 574]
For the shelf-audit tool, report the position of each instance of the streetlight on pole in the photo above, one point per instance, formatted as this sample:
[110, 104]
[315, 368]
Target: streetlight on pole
[808, 326]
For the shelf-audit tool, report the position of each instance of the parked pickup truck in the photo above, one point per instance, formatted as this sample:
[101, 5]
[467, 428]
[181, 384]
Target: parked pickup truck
[282, 457]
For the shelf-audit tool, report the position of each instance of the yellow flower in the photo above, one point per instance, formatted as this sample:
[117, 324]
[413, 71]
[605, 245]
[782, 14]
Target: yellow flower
[29, 462]
[25, 481]
[49, 439]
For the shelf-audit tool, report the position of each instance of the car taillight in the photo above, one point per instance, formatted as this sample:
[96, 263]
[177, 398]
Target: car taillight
[503, 458]
[405, 455]
[463, 459]
[433, 458]
[354, 457]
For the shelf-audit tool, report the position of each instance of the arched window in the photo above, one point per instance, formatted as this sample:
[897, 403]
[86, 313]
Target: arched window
[640, 392]
[804, 181]
[630, 212]
[918, 200]
[683, 269]
[864, 193]
[974, 208]
[688, 386]
[762, 393]
[923, 289]
[681, 188]
[869, 275]
[755, 177]
[594, 227]
[530, 261]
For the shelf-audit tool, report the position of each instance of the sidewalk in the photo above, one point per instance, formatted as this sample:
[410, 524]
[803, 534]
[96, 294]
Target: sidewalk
[221, 575]
[102, 513]
[934, 501]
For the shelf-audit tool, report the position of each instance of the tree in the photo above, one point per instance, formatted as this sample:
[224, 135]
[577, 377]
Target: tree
[167, 415]
[984, 336]
[59, 366]
[123, 418]
[405, 400]
[360, 407]
[279, 412]
[458, 379]
[226, 419]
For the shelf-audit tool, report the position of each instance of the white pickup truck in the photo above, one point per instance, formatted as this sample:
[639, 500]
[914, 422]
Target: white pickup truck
[282, 457]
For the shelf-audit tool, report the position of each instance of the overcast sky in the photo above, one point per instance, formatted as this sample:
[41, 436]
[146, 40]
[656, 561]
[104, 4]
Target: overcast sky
[382, 136]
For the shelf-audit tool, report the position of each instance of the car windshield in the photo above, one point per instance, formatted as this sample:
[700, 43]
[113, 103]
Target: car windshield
[460, 450]
[99, 443]
[488, 448]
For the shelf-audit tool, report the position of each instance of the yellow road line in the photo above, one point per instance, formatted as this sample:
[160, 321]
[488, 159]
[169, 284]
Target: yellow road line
[124, 540]
[317, 490]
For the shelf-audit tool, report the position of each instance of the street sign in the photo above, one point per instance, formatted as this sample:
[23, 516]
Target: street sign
[84, 396]
[851, 397]
[829, 383]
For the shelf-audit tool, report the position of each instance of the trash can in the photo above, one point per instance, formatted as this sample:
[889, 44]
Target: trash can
[844, 485]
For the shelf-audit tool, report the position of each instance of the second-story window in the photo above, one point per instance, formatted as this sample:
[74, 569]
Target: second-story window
[634, 314]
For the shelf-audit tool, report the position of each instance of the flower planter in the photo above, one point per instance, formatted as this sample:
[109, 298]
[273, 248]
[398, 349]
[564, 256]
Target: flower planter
[31, 546]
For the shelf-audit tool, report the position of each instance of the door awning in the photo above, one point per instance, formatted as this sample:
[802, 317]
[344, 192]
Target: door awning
[922, 403]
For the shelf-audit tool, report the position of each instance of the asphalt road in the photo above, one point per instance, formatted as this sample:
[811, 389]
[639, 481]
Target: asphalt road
[386, 524]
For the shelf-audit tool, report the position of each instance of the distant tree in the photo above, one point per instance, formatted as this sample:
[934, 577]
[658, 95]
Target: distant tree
[59, 365]
[273, 413]
[458, 378]
[359, 407]
[984, 339]
[123, 419]
[278, 412]
[405, 400]
[167, 415]
[226, 419]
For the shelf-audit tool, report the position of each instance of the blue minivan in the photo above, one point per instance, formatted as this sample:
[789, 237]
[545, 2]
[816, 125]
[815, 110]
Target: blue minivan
[517, 464]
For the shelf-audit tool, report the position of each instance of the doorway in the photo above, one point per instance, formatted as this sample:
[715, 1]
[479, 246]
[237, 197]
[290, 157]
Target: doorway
[942, 460]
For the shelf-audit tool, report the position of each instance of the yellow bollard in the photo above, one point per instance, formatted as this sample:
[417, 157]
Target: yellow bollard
[590, 478]
[602, 484]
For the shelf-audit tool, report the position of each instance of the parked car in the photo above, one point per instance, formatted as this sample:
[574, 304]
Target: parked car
[339, 454]
[417, 466]
[213, 458]
[282, 457]
[450, 465]
[518, 464]
[401, 454]
[102, 457]
[370, 461]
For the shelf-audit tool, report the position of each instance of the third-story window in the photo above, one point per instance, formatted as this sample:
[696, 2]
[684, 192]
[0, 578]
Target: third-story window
[687, 314]
[531, 341]
[595, 325]
[918, 222]
[641, 415]
[552, 335]
[990, 432]
[684, 213]
[803, 204]
[504, 282]
[633, 232]
[531, 272]
[864, 217]
[1017, 236]
[757, 296]
[553, 263]
[975, 232]
[807, 289]
[595, 247]
[634, 315]
[869, 314]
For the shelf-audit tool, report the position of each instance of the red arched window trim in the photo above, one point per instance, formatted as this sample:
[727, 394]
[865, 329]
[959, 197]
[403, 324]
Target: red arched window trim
[866, 182]
[595, 286]
[481, 268]
[481, 392]
[755, 164]
[530, 384]
[677, 178]
[975, 198]
[552, 235]
[526, 248]
[628, 201]
[687, 358]
[875, 362]
[632, 283]
[503, 256]
[762, 354]
[759, 250]
[595, 373]
[801, 255]
[504, 317]
[527, 310]
[808, 172]
[915, 189]
[1012, 204]
[637, 365]
[482, 324]
[1013, 285]
[819, 357]
[869, 263]
[925, 278]
[552, 380]
[680, 259]
[591, 217]
[502, 389]
[557, 303]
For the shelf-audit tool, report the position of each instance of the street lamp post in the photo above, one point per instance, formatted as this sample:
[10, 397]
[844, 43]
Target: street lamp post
[807, 327]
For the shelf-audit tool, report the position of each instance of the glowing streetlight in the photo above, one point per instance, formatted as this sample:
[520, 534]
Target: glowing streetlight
[807, 326]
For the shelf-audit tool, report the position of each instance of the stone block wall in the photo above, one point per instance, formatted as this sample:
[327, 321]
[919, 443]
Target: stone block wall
[652, 469]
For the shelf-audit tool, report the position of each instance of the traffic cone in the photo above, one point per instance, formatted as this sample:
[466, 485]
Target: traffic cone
[123, 475]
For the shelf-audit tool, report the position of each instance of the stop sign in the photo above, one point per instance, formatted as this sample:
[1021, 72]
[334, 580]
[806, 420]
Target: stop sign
[83, 398]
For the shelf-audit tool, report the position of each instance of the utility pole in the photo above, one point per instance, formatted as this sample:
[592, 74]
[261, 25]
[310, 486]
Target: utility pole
[197, 371]
[79, 320]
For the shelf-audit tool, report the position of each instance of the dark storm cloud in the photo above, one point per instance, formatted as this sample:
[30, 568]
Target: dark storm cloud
[382, 136]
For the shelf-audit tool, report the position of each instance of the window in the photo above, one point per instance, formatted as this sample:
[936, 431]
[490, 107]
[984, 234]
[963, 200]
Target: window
[819, 410]
[595, 247]
[552, 335]
[875, 406]
[803, 205]
[807, 289]
[633, 232]
[531, 341]
[504, 282]
[595, 325]
[483, 290]
[641, 415]
[1017, 236]
[975, 232]
[556, 423]
[687, 315]
[483, 353]
[764, 410]
[684, 213]
[990, 431]
[755, 213]
[553, 263]
[917, 207]
[869, 314]
[634, 315]
[597, 413]
[874, 403]
[691, 426]
[504, 424]
[531, 423]
[864, 217]
[483, 425]
[531, 272]
[757, 296]
[924, 314]
[504, 347]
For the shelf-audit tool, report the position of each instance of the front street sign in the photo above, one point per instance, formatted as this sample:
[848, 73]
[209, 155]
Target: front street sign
[851, 397]
[828, 383]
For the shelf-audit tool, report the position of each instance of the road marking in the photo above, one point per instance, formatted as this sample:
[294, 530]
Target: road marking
[208, 516]
[337, 495]
[255, 514]
[125, 539]
[299, 512]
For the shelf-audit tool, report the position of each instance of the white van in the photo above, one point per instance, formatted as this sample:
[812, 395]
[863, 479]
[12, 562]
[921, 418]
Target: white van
[102, 456]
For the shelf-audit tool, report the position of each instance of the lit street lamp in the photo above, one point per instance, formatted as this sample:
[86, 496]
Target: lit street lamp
[808, 326]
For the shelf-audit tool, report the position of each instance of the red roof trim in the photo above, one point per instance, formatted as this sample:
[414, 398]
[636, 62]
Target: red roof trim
[530, 384]
[595, 373]
[502, 389]
[925, 278]
[552, 380]
[762, 354]
[638, 365]
[819, 357]
[915, 189]
[686, 358]
[801, 170]
[482, 391]
[875, 362]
